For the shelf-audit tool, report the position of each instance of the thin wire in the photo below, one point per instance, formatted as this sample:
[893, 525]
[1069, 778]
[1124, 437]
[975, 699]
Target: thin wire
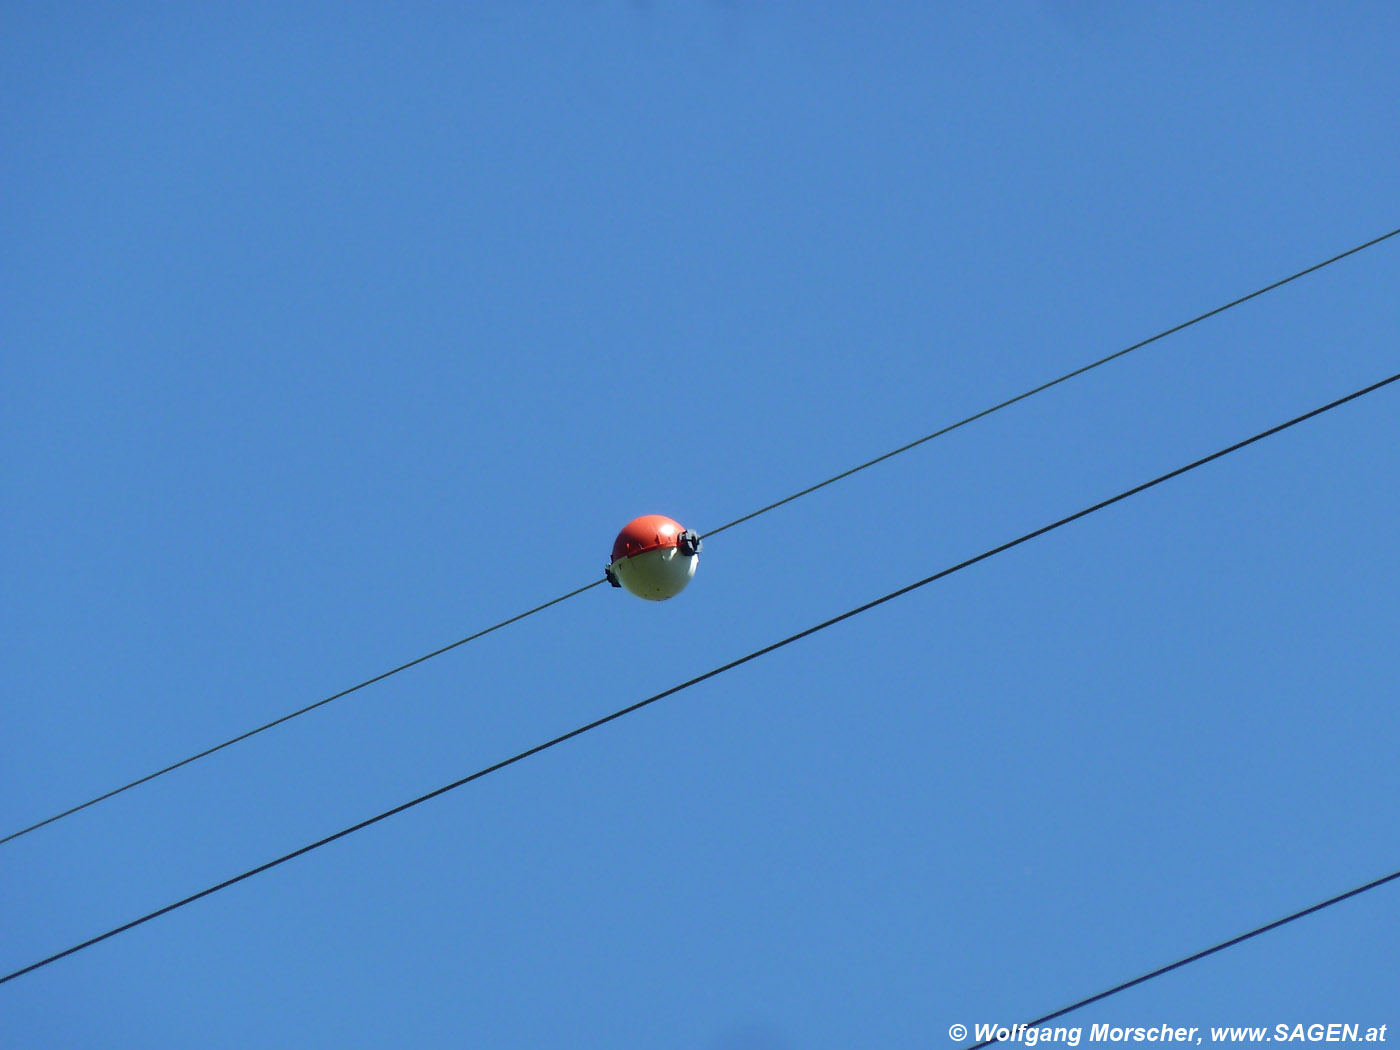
[1201, 955]
[696, 680]
[288, 717]
[713, 532]
[1054, 382]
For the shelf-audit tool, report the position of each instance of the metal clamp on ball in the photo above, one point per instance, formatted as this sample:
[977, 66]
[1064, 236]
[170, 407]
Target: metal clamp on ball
[689, 542]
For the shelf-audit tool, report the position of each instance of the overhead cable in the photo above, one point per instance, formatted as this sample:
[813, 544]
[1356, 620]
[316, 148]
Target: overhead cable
[1200, 955]
[1054, 382]
[288, 717]
[747, 517]
[698, 679]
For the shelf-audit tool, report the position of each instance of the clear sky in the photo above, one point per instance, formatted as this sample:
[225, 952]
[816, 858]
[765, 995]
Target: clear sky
[330, 333]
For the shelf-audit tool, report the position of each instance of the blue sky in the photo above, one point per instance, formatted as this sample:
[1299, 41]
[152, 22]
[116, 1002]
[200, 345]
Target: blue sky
[332, 333]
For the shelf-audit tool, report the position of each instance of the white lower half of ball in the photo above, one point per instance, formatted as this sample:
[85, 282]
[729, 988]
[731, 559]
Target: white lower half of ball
[656, 574]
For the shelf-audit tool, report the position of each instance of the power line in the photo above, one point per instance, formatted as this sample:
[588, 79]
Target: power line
[699, 678]
[737, 521]
[1202, 954]
[288, 717]
[1054, 382]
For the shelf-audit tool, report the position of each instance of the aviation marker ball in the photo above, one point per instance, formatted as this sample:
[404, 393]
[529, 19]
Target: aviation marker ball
[654, 557]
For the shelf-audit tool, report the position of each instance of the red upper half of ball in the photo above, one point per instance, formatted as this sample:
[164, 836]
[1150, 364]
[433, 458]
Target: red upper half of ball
[646, 533]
